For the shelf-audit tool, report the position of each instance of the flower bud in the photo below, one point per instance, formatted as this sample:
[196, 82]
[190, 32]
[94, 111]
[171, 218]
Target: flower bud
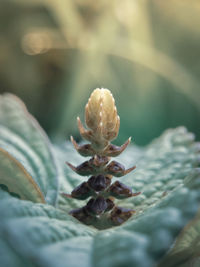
[101, 117]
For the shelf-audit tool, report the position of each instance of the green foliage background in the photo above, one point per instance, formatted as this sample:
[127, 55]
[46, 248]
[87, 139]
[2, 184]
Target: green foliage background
[54, 53]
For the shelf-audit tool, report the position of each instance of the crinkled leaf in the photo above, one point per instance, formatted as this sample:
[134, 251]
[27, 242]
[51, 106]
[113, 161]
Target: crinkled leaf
[16, 180]
[23, 138]
[167, 175]
[186, 250]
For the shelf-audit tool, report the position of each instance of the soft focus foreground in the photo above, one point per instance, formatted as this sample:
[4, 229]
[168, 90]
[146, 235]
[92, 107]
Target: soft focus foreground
[53, 53]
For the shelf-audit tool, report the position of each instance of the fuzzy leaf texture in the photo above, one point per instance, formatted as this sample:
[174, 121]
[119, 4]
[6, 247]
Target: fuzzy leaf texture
[35, 228]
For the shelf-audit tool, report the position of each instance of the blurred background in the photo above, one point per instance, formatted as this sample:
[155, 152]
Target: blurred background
[53, 53]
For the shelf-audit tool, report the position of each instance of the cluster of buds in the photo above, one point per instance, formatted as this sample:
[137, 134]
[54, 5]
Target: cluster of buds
[103, 125]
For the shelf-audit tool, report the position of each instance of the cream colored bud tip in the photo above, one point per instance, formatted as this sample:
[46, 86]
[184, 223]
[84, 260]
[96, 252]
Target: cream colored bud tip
[101, 115]
[101, 92]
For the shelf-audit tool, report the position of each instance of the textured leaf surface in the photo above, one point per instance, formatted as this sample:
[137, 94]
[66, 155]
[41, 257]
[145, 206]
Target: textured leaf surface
[16, 180]
[186, 250]
[33, 234]
[24, 139]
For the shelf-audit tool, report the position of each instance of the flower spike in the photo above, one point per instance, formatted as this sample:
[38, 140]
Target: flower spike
[103, 126]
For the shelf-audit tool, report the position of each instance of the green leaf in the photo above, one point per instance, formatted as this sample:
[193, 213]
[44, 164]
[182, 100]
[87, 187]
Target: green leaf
[23, 138]
[23, 186]
[38, 234]
[186, 250]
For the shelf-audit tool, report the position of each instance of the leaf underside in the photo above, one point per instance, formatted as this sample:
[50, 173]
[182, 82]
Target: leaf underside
[39, 234]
